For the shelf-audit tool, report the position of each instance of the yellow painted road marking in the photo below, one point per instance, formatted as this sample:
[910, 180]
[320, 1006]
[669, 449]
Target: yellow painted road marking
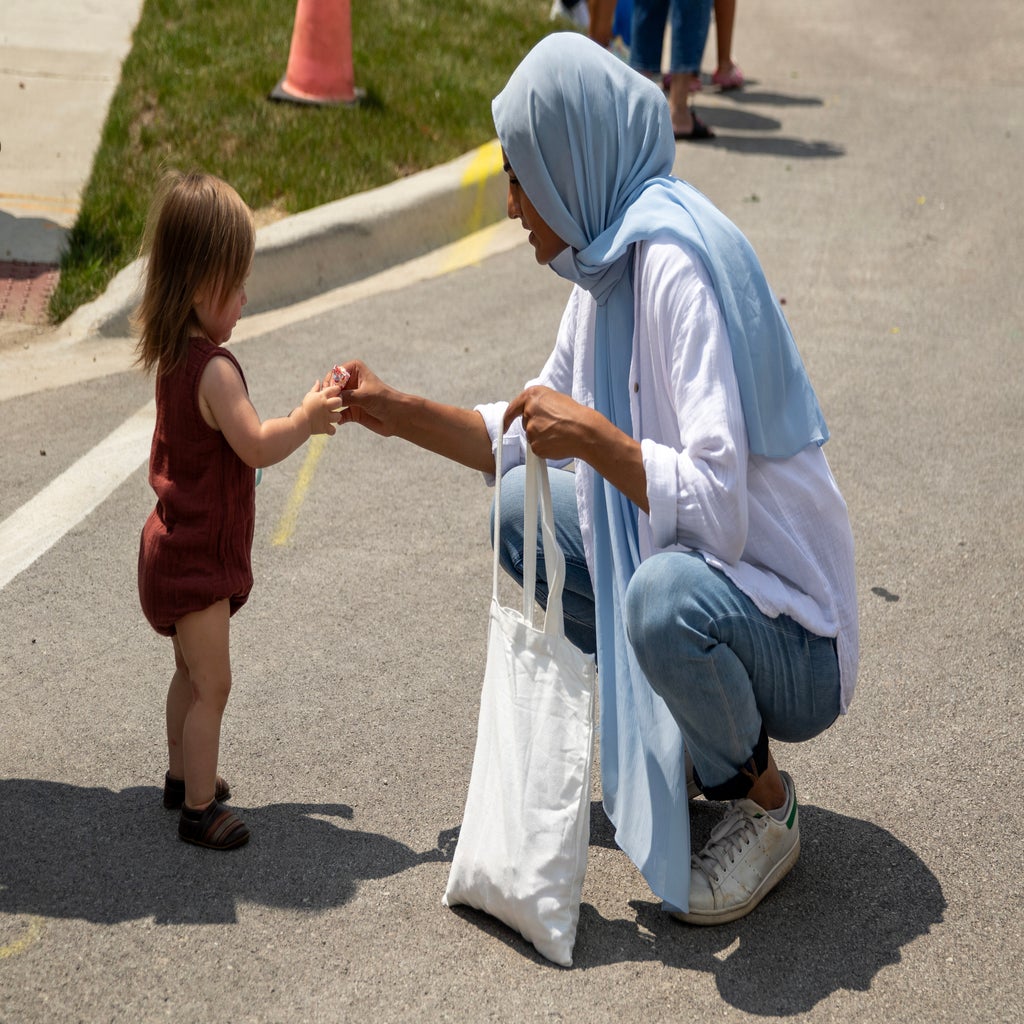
[484, 166]
[35, 929]
[464, 252]
[486, 163]
[286, 527]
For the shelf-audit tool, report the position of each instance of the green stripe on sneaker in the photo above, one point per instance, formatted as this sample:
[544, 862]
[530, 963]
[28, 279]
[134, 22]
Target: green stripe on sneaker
[792, 814]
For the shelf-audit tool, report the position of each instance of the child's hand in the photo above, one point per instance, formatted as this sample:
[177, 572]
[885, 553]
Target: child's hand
[322, 408]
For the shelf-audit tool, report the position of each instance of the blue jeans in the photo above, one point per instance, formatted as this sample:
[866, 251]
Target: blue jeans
[730, 675]
[578, 591]
[690, 22]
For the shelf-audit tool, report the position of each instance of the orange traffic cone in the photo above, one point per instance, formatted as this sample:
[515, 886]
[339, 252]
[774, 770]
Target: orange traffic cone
[320, 60]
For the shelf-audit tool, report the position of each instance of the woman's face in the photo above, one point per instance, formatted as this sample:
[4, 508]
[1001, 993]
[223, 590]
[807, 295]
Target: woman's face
[546, 244]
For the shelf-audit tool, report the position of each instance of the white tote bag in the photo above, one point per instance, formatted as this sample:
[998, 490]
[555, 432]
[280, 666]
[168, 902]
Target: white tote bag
[522, 849]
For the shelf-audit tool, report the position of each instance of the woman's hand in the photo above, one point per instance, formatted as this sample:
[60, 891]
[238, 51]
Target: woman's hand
[456, 433]
[368, 401]
[558, 427]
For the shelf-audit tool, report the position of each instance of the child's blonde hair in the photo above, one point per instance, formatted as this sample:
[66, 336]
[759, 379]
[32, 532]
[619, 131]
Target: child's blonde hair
[200, 235]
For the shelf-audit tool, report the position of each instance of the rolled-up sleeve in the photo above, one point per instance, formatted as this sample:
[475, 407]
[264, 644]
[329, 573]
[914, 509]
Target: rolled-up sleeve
[513, 452]
[698, 504]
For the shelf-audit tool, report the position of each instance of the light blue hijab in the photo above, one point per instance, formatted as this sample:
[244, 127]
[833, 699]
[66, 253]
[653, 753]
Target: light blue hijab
[591, 144]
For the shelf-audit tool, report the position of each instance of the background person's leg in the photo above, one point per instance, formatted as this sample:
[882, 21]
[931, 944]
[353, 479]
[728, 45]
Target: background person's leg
[647, 41]
[690, 22]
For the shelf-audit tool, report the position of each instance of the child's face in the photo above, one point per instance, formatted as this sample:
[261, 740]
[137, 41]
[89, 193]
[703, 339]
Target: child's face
[217, 314]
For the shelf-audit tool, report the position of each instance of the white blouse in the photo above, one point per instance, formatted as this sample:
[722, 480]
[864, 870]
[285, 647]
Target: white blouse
[778, 528]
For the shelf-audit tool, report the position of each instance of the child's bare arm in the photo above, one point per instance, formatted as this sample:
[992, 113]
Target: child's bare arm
[226, 407]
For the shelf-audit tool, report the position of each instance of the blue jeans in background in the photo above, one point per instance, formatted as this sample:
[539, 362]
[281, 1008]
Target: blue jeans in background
[730, 675]
[690, 22]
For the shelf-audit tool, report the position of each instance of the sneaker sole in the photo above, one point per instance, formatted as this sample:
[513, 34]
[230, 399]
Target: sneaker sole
[727, 914]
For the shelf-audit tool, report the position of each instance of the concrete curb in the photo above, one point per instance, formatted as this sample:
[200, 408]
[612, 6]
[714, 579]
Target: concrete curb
[341, 242]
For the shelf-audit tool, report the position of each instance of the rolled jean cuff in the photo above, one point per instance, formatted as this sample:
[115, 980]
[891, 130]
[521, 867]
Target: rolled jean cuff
[743, 781]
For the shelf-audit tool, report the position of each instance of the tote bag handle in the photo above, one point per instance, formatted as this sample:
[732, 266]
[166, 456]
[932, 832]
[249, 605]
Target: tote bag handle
[537, 485]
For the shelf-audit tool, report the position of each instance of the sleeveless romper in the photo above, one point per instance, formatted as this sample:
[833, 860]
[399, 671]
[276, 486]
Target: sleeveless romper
[197, 542]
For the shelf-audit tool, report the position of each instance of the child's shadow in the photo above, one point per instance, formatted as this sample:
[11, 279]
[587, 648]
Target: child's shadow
[75, 852]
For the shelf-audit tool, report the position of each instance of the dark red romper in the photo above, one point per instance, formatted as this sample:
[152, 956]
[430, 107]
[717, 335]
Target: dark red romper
[197, 543]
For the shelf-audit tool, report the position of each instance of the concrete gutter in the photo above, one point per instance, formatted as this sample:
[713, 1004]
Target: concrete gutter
[339, 243]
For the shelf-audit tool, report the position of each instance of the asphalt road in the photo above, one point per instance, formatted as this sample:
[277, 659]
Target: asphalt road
[874, 163]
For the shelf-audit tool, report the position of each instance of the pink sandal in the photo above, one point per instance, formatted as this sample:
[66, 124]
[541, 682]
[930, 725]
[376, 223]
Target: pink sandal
[728, 80]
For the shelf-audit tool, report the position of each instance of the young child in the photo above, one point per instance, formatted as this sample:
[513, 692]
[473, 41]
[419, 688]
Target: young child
[195, 570]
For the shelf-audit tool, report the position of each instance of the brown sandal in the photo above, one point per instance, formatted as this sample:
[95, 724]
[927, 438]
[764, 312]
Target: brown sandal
[216, 828]
[174, 792]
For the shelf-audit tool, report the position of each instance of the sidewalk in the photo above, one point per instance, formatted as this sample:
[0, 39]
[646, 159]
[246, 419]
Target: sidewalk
[59, 68]
[61, 72]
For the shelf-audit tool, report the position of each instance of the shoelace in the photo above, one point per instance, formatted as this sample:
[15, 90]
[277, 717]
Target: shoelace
[728, 838]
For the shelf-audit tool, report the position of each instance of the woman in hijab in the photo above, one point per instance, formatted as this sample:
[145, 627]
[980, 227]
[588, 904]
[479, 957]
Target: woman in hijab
[709, 550]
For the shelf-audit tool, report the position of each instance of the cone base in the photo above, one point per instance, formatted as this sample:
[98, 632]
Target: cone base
[281, 94]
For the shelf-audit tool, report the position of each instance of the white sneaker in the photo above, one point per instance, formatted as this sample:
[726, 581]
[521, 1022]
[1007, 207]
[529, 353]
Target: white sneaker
[747, 855]
[578, 13]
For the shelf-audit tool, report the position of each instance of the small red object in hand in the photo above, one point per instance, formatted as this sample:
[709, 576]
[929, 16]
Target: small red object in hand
[339, 376]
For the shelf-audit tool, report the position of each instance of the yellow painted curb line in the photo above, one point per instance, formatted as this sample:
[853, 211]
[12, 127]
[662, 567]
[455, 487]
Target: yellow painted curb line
[485, 165]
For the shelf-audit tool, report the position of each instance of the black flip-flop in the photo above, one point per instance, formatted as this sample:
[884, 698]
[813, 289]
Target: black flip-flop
[699, 130]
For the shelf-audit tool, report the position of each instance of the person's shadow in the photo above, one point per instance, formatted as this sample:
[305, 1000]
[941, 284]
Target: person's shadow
[855, 898]
[742, 129]
[107, 857]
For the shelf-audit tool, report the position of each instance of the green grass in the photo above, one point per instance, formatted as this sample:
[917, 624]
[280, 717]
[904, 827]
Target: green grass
[193, 94]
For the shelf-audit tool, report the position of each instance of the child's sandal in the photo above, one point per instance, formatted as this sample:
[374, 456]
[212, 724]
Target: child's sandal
[216, 828]
[174, 792]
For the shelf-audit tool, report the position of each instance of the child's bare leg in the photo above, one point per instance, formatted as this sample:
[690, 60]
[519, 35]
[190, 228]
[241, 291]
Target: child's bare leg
[203, 638]
[179, 700]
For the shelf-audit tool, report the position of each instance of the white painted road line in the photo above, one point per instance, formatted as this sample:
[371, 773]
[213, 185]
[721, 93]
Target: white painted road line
[40, 523]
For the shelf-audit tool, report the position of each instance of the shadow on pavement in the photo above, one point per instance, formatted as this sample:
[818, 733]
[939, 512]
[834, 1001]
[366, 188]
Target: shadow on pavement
[37, 239]
[750, 95]
[106, 857]
[856, 896]
[739, 117]
[782, 146]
